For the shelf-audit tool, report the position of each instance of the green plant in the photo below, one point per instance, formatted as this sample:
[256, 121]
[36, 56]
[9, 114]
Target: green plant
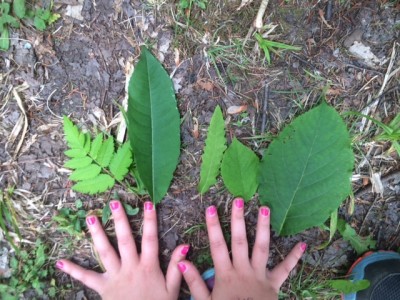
[360, 244]
[42, 18]
[153, 125]
[8, 216]
[70, 220]
[96, 166]
[348, 286]
[305, 172]
[268, 46]
[106, 212]
[29, 271]
[213, 152]
[188, 4]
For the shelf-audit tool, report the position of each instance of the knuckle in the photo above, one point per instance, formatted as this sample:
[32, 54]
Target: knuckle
[239, 240]
[150, 238]
[217, 244]
[124, 240]
[262, 248]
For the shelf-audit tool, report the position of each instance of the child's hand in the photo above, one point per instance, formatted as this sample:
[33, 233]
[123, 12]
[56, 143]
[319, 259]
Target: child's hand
[129, 275]
[241, 277]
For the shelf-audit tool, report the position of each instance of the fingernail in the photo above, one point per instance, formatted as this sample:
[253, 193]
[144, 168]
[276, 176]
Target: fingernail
[185, 250]
[239, 203]
[182, 267]
[59, 265]
[148, 205]
[91, 220]
[114, 205]
[211, 211]
[303, 247]
[265, 211]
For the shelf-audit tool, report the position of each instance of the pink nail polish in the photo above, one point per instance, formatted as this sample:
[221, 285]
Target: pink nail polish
[59, 265]
[91, 220]
[211, 211]
[182, 267]
[239, 203]
[185, 250]
[303, 247]
[148, 206]
[114, 205]
[265, 211]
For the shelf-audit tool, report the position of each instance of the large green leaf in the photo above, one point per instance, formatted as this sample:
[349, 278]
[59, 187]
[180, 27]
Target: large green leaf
[213, 151]
[239, 170]
[154, 125]
[306, 170]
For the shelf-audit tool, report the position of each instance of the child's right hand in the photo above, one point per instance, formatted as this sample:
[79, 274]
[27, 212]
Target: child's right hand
[242, 277]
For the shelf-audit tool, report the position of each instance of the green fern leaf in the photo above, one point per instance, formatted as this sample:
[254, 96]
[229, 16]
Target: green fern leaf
[121, 161]
[213, 151]
[85, 173]
[75, 153]
[106, 152]
[98, 184]
[96, 144]
[77, 163]
[72, 135]
[88, 141]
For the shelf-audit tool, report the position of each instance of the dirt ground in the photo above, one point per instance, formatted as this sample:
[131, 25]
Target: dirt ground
[78, 67]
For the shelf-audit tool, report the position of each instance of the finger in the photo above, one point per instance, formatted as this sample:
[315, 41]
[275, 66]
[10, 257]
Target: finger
[102, 245]
[126, 243]
[149, 255]
[240, 248]
[173, 276]
[259, 258]
[197, 286]
[219, 250]
[281, 272]
[91, 279]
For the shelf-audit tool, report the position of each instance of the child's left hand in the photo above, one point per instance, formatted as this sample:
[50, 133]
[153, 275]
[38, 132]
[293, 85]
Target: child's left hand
[129, 275]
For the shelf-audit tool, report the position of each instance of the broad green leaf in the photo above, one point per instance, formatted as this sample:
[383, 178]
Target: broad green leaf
[88, 172]
[96, 145]
[88, 142]
[154, 125]
[348, 286]
[360, 244]
[305, 172]
[121, 161]
[95, 185]
[19, 8]
[77, 163]
[239, 170]
[75, 153]
[213, 151]
[106, 152]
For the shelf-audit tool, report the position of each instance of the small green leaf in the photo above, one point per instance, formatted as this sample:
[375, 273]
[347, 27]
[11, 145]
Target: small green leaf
[239, 170]
[88, 142]
[39, 23]
[5, 39]
[95, 185]
[106, 213]
[87, 172]
[72, 134]
[75, 153]
[78, 203]
[77, 163]
[106, 152]
[130, 211]
[360, 244]
[19, 8]
[213, 151]
[121, 161]
[96, 145]
[54, 17]
[348, 286]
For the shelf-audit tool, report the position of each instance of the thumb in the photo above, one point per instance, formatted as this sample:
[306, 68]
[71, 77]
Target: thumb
[197, 286]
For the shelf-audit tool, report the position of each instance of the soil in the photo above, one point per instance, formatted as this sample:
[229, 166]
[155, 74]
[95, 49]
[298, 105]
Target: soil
[78, 67]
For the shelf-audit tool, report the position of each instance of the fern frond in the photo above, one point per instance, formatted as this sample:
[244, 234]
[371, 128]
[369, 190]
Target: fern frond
[75, 153]
[77, 163]
[85, 173]
[88, 142]
[106, 152]
[96, 144]
[99, 184]
[121, 161]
